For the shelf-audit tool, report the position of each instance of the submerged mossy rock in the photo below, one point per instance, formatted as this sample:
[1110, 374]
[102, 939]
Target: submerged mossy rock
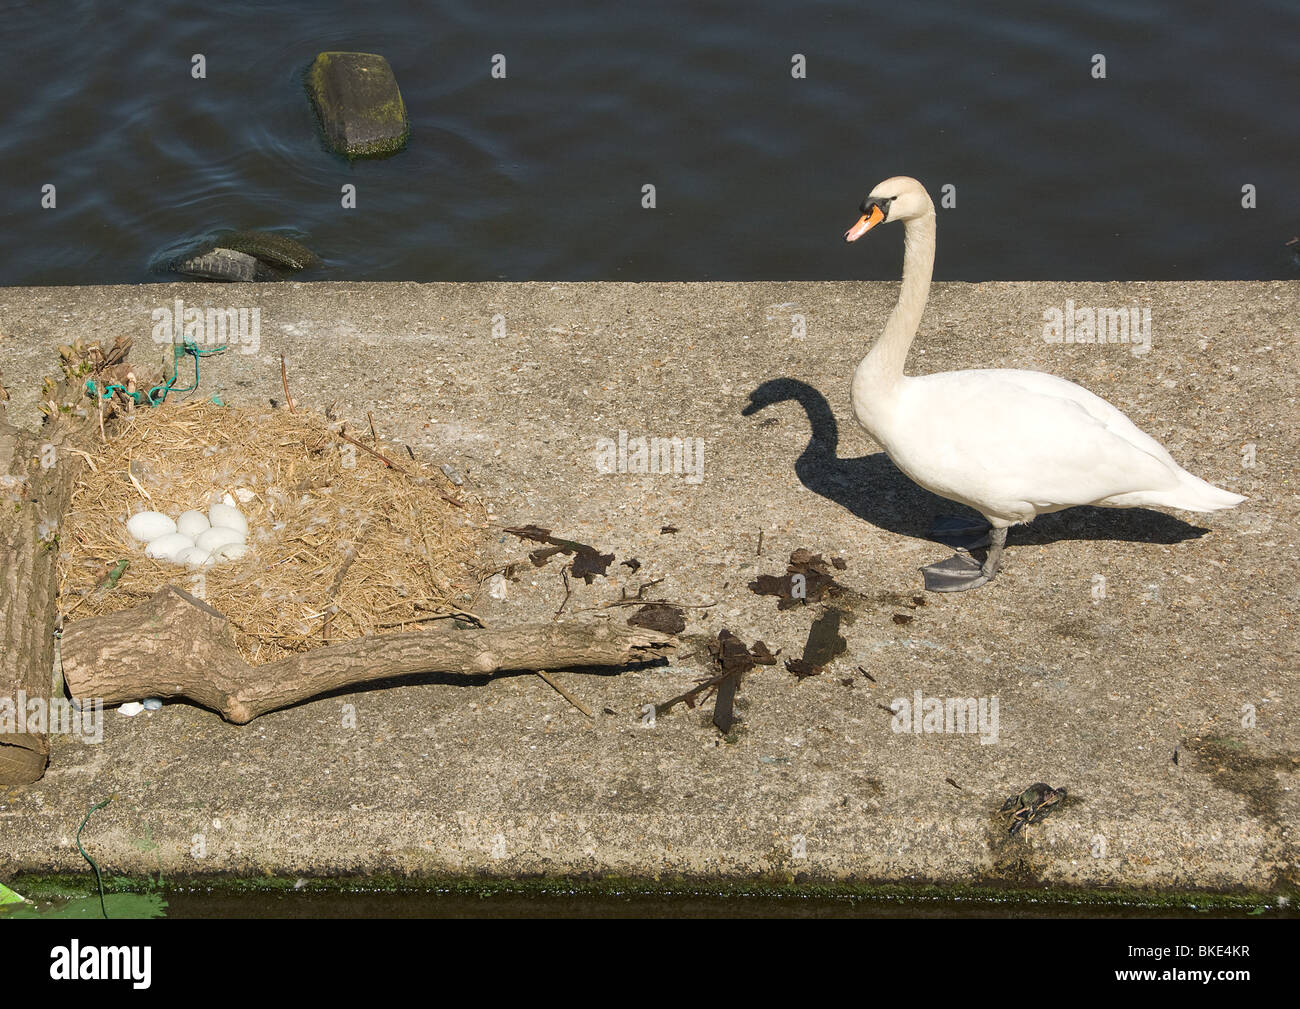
[242, 256]
[271, 248]
[358, 104]
[226, 265]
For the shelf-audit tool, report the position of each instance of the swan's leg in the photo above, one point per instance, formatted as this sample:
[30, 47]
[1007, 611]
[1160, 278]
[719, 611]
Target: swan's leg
[960, 571]
[997, 540]
[962, 532]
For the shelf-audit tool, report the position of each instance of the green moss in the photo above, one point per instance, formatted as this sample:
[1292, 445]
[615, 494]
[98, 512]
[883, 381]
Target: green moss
[316, 72]
[390, 114]
[71, 886]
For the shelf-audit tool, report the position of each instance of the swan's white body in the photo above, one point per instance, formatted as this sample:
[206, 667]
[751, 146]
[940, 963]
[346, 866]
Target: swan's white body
[1015, 444]
[1011, 444]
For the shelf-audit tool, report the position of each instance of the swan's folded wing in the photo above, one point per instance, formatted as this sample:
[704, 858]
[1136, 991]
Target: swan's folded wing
[1099, 409]
[1000, 439]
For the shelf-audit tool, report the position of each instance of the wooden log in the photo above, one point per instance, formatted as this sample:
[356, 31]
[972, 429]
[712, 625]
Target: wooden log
[176, 646]
[36, 480]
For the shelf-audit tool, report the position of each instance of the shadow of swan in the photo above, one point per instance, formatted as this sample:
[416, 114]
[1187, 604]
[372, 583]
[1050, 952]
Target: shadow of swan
[873, 489]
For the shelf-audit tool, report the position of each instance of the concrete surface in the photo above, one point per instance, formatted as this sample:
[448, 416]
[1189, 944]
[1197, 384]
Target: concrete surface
[1192, 648]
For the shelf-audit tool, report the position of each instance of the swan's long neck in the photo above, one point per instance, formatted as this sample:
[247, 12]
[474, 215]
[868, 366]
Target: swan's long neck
[881, 371]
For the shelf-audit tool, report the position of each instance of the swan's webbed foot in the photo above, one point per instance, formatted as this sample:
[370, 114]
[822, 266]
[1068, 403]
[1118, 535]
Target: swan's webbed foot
[961, 571]
[958, 573]
[962, 532]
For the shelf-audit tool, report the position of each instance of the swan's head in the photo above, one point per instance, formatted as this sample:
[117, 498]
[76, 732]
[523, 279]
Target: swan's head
[896, 199]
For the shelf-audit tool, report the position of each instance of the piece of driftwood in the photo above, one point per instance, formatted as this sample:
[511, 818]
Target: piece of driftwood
[36, 480]
[37, 474]
[176, 646]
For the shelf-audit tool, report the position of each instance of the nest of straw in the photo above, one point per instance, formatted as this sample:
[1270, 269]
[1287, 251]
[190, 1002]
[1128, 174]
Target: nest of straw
[341, 545]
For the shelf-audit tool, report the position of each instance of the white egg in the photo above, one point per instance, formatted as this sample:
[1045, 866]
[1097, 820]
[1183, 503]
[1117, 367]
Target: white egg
[169, 546]
[191, 523]
[218, 536]
[229, 552]
[226, 517]
[148, 526]
[194, 557]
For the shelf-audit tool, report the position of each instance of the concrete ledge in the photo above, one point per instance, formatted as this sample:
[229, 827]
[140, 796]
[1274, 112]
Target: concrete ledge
[1193, 646]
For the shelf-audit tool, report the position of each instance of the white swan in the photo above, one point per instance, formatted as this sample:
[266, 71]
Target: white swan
[1010, 444]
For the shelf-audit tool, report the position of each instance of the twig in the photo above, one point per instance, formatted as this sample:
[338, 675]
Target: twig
[568, 591]
[90, 460]
[405, 602]
[392, 465]
[690, 695]
[760, 543]
[506, 570]
[136, 483]
[373, 436]
[640, 593]
[349, 555]
[284, 377]
[450, 500]
[649, 602]
[565, 694]
[449, 615]
[378, 455]
[424, 542]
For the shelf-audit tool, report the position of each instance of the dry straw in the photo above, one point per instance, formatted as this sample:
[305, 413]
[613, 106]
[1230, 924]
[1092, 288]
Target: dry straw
[341, 544]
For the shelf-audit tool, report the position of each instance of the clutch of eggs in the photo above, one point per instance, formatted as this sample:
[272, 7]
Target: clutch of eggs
[193, 539]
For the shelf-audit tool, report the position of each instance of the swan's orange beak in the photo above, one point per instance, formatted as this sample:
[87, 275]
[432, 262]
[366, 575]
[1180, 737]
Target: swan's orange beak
[865, 223]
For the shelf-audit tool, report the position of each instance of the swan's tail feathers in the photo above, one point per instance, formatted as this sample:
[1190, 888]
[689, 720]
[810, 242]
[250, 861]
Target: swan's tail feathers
[1194, 495]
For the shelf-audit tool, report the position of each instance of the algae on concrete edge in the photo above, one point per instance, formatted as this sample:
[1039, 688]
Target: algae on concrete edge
[55, 885]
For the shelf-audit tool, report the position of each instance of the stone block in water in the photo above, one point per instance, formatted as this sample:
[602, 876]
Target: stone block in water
[358, 104]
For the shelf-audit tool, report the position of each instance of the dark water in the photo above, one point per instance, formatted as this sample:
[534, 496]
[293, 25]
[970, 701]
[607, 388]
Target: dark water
[520, 905]
[538, 176]
[506, 903]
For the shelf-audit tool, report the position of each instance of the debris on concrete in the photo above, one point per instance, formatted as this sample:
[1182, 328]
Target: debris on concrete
[1034, 803]
[588, 562]
[659, 617]
[735, 660]
[807, 579]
